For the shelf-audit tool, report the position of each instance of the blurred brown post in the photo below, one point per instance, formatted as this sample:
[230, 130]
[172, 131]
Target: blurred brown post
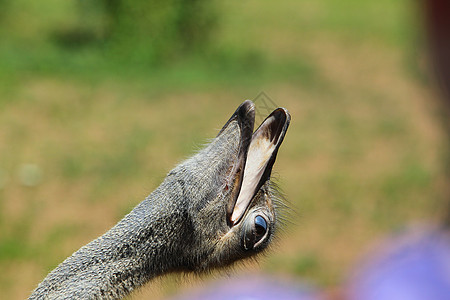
[437, 18]
[438, 30]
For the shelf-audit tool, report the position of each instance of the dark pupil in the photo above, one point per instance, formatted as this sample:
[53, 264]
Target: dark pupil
[260, 227]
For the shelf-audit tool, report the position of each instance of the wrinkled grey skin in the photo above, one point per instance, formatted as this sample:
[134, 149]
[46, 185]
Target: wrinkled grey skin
[181, 226]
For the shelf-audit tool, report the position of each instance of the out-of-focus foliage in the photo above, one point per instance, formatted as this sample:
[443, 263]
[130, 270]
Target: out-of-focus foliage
[148, 31]
[3, 8]
[108, 31]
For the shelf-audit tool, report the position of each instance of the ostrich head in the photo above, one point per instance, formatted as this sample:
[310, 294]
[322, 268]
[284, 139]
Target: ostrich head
[211, 210]
[231, 207]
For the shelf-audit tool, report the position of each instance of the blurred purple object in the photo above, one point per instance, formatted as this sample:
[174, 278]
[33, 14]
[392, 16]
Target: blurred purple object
[253, 288]
[411, 267]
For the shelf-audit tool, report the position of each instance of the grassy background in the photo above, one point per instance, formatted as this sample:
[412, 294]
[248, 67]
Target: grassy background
[85, 138]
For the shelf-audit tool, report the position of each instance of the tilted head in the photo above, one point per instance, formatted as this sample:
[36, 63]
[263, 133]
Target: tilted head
[231, 201]
[211, 210]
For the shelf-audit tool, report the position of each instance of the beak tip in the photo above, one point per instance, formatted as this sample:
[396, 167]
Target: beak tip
[248, 109]
[248, 104]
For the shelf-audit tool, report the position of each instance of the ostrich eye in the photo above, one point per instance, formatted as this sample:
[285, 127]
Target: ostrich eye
[255, 230]
[260, 228]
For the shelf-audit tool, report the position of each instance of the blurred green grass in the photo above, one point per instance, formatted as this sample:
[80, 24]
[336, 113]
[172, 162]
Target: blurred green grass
[362, 156]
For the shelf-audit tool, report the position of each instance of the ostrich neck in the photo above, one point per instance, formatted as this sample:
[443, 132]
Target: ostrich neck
[146, 243]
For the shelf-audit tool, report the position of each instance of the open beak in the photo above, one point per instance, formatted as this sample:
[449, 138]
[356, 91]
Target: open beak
[257, 155]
